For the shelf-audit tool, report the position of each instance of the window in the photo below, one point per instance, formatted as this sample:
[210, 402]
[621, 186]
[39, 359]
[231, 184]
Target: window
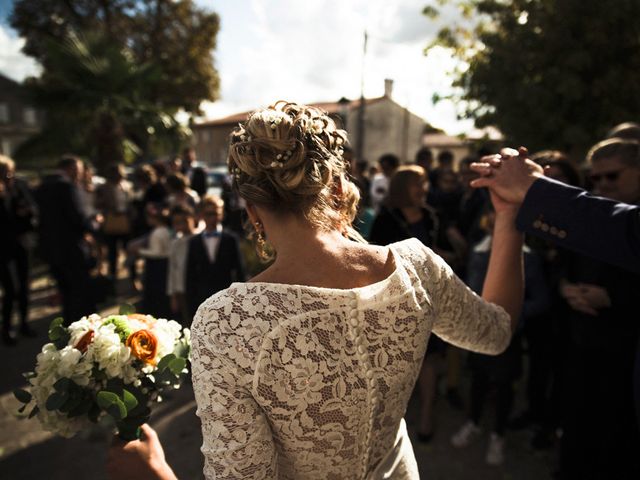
[30, 117]
[4, 113]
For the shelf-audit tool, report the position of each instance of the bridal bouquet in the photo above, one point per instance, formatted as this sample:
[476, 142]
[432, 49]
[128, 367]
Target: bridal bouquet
[107, 370]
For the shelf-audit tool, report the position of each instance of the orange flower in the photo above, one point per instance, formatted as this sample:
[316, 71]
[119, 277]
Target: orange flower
[143, 345]
[85, 341]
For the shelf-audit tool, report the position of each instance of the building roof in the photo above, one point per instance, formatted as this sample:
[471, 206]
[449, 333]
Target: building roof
[441, 140]
[329, 107]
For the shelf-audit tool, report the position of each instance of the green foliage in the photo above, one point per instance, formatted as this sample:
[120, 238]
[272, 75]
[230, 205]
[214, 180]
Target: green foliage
[22, 395]
[115, 73]
[122, 326]
[548, 74]
[58, 334]
[126, 309]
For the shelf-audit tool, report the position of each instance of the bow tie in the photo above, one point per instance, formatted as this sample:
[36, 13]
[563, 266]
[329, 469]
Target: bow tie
[211, 234]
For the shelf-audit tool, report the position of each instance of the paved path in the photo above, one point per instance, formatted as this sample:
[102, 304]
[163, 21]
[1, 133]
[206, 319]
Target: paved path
[26, 452]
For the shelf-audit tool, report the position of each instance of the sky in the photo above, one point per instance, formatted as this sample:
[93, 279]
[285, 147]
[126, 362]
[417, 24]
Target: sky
[311, 51]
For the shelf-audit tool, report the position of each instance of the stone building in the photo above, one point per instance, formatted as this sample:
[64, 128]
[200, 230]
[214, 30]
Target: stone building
[18, 120]
[388, 128]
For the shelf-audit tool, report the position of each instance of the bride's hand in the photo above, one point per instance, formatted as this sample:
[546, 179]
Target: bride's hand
[508, 176]
[139, 459]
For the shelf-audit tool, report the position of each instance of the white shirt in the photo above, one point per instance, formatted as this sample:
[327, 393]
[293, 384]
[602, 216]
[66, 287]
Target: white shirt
[176, 279]
[379, 188]
[159, 242]
[212, 243]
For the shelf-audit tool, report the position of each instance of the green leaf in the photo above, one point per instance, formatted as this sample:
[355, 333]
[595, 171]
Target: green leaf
[165, 361]
[127, 309]
[55, 401]
[56, 322]
[22, 395]
[129, 400]
[81, 409]
[177, 365]
[118, 410]
[62, 385]
[21, 409]
[34, 412]
[105, 399]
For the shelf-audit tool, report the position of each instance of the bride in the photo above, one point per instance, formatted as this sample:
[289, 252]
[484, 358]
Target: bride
[305, 371]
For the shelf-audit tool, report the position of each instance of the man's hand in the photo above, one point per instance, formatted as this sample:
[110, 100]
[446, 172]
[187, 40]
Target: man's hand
[585, 298]
[139, 459]
[508, 175]
[595, 296]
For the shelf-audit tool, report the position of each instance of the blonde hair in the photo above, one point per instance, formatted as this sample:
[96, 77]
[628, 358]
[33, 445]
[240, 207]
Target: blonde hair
[6, 164]
[210, 200]
[289, 158]
[398, 193]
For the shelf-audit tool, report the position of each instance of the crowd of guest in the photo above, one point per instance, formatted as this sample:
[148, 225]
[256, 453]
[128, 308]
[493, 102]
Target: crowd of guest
[149, 230]
[577, 332]
[160, 230]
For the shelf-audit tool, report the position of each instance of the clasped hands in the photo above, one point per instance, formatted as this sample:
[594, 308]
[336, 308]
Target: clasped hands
[585, 298]
[508, 176]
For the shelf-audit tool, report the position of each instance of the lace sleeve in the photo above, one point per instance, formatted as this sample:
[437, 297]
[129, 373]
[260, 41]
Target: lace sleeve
[237, 439]
[462, 317]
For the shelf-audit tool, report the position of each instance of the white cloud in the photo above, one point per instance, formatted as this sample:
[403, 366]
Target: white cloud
[13, 63]
[312, 51]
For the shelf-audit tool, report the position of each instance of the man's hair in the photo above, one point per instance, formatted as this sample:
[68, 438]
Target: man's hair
[6, 163]
[424, 155]
[177, 182]
[445, 156]
[626, 130]
[182, 209]
[389, 159]
[208, 201]
[68, 161]
[627, 151]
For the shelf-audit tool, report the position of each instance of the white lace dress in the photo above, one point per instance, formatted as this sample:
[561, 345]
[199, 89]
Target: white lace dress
[298, 382]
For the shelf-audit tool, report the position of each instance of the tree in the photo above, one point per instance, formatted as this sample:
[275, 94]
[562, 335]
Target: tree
[97, 102]
[174, 35]
[123, 67]
[547, 73]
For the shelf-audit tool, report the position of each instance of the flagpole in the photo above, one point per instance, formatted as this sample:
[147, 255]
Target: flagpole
[361, 107]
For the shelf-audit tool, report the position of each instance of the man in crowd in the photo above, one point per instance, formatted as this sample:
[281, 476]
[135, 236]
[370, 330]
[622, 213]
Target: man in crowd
[62, 229]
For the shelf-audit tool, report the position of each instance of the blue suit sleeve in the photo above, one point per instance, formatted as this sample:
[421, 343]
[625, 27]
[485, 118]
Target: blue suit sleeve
[572, 218]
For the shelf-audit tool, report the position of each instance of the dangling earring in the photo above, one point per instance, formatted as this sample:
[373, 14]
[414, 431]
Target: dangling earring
[261, 243]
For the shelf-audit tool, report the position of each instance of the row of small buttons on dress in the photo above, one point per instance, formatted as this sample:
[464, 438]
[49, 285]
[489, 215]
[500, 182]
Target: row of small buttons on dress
[354, 321]
[545, 227]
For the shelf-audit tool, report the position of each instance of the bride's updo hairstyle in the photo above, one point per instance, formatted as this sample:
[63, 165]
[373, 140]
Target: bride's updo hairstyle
[288, 158]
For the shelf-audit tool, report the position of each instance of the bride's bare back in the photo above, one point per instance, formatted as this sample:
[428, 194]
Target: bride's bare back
[344, 266]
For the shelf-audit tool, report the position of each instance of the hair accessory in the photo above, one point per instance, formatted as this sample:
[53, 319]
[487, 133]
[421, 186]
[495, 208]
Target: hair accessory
[275, 122]
[277, 164]
[317, 126]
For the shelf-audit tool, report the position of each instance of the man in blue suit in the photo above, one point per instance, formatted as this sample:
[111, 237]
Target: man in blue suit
[598, 227]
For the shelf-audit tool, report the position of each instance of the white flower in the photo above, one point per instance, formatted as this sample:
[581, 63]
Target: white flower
[78, 329]
[108, 351]
[71, 365]
[167, 332]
